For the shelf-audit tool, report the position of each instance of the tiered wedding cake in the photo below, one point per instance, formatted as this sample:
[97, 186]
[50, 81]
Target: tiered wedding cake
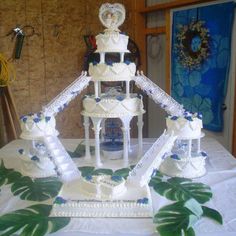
[104, 195]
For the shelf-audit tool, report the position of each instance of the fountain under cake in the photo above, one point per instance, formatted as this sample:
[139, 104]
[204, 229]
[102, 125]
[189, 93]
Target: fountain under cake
[103, 195]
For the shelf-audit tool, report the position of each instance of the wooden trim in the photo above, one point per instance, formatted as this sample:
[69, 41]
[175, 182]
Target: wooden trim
[155, 31]
[169, 5]
[168, 50]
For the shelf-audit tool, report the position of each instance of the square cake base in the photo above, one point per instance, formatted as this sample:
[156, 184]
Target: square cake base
[72, 202]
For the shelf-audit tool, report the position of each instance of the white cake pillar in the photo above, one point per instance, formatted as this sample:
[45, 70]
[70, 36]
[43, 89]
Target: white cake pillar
[125, 129]
[86, 136]
[99, 88]
[102, 57]
[122, 56]
[198, 145]
[189, 148]
[97, 128]
[140, 135]
[96, 89]
[127, 89]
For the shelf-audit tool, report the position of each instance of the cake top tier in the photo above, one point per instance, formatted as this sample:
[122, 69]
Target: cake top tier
[112, 16]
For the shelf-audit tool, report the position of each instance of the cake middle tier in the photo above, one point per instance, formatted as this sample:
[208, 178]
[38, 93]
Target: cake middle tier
[112, 106]
[114, 72]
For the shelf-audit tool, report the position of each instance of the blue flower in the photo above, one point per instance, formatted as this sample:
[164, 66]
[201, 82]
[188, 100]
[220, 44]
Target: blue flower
[116, 178]
[97, 99]
[36, 120]
[188, 118]
[24, 119]
[60, 200]
[88, 177]
[174, 118]
[47, 118]
[35, 158]
[175, 157]
[21, 151]
[204, 154]
[143, 200]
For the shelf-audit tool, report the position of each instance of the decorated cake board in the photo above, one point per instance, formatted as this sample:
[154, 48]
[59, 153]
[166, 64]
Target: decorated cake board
[72, 202]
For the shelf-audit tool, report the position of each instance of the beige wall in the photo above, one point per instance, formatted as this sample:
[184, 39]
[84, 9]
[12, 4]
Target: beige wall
[49, 62]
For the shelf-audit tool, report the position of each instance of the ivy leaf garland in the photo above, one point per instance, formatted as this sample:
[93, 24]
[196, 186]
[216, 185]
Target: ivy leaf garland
[179, 218]
[33, 220]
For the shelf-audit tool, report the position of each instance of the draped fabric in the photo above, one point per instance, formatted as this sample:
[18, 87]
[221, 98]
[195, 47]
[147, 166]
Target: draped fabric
[203, 89]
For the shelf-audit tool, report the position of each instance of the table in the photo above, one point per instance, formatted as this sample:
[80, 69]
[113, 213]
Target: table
[221, 176]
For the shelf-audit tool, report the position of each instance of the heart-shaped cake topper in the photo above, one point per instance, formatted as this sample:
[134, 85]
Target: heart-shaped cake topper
[112, 15]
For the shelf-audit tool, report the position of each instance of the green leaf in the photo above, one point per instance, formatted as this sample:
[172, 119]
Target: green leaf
[212, 214]
[157, 178]
[80, 151]
[124, 172]
[102, 172]
[33, 221]
[36, 189]
[86, 170]
[177, 219]
[181, 189]
[194, 207]
[8, 176]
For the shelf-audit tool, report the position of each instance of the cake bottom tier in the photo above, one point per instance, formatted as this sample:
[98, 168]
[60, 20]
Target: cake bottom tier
[72, 202]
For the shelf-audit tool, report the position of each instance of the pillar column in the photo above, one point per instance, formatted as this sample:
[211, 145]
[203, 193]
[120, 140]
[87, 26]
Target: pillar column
[86, 136]
[122, 55]
[140, 135]
[127, 89]
[102, 57]
[97, 128]
[125, 129]
[189, 148]
[198, 145]
[96, 89]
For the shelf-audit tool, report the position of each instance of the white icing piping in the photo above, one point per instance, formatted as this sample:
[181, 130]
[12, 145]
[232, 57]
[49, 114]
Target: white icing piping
[67, 95]
[159, 96]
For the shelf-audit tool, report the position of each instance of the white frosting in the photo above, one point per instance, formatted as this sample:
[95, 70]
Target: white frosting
[184, 128]
[102, 186]
[111, 107]
[112, 41]
[185, 167]
[36, 126]
[43, 168]
[114, 72]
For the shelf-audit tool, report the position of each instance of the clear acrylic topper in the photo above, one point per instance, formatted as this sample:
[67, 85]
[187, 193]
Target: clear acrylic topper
[112, 15]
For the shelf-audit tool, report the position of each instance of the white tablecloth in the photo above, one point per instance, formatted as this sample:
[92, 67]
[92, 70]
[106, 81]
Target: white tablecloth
[221, 176]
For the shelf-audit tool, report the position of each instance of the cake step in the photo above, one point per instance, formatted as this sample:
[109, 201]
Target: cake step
[66, 168]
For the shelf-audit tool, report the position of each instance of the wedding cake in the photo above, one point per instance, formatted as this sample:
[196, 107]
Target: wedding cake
[112, 195]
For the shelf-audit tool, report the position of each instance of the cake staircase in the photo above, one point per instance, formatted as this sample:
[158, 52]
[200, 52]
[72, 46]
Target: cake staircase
[142, 172]
[158, 95]
[64, 165]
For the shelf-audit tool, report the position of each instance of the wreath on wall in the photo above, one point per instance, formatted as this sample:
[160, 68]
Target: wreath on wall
[192, 44]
